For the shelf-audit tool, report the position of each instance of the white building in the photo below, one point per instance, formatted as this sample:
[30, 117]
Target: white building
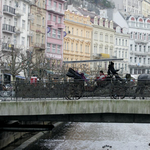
[15, 27]
[102, 41]
[122, 49]
[131, 6]
[139, 29]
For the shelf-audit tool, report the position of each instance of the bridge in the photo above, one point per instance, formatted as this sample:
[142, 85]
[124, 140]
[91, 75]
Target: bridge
[83, 110]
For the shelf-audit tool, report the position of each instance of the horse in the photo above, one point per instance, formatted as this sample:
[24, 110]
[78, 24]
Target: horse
[143, 82]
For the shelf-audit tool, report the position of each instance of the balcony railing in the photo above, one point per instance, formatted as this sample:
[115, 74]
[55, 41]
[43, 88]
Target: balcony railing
[60, 25]
[50, 23]
[9, 9]
[7, 47]
[8, 28]
[19, 12]
[39, 46]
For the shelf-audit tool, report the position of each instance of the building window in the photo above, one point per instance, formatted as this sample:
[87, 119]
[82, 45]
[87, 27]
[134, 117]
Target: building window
[140, 47]
[119, 41]
[123, 42]
[42, 39]
[48, 47]
[130, 59]
[135, 47]
[81, 32]
[144, 60]
[148, 48]
[148, 60]
[135, 35]
[106, 38]
[23, 41]
[131, 47]
[59, 34]
[43, 21]
[53, 48]
[144, 48]
[55, 4]
[126, 42]
[49, 2]
[95, 36]
[23, 24]
[149, 37]
[54, 33]
[101, 36]
[139, 60]
[135, 59]
[60, 7]
[76, 47]
[15, 22]
[95, 49]
[59, 19]
[15, 39]
[116, 41]
[24, 8]
[80, 47]
[72, 30]
[49, 16]
[125, 54]
[67, 45]
[58, 49]
[54, 18]
[77, 31]
[71, 46]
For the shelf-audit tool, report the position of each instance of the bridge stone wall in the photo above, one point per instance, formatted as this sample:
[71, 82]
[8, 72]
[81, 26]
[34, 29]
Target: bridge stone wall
[42, 107]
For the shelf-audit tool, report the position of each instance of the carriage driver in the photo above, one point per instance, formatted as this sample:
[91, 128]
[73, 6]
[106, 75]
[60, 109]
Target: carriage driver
[112, 71]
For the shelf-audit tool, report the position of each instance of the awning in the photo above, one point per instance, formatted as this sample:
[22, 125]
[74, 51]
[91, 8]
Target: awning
[20, 77]
[103, 55]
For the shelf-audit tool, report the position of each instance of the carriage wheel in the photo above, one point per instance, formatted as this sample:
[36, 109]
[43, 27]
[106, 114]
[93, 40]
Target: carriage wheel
[118, 92]
[73, 91]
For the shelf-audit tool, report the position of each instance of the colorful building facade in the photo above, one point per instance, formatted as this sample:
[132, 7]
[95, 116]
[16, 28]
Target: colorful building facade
[102, 41]
[37, 17]
[77, 42]
[54, 34]
[146, 8]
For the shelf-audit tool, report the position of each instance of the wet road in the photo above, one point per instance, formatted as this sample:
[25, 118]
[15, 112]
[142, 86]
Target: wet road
[97, 136]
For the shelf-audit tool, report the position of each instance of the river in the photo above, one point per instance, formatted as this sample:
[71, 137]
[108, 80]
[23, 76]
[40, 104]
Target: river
[97, 136]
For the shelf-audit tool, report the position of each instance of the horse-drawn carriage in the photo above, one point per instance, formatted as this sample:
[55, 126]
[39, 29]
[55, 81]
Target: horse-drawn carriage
[111, 87]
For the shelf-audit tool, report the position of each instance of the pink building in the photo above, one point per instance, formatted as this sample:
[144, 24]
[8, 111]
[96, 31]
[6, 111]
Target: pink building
[55, 26]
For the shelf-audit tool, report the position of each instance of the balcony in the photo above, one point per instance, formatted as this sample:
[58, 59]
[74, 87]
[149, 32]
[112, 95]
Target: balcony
[137, 53]
[18, 12]
[7, 47]
[8, 10]
[50, 8]
[60, 11]
[18, 30]
[8, 28]
[39, 46]
[60, 26]
[141, 41]
[50, 23]
[29, 33]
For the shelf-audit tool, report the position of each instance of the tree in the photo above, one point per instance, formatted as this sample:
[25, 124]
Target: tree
[15, 61]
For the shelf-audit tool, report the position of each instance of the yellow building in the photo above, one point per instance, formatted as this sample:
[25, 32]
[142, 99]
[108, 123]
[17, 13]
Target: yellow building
[77, 42]
[146, 8]
[37, 16]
